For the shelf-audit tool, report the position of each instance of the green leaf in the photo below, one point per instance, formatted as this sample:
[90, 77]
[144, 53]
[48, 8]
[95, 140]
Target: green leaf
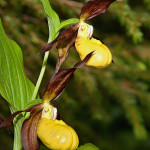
[53, 19]
[66, 23]
[88, 146]
[15, 87]
[33, 102]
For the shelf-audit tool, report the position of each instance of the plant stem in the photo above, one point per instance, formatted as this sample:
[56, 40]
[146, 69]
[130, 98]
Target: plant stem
[18, 120]
[40, 76]
[17, 135]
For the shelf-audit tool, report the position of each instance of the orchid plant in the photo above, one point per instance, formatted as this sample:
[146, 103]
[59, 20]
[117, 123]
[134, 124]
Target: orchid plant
[35, 118]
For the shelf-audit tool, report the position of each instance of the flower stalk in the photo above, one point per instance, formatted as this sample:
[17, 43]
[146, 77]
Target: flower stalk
[37, 86]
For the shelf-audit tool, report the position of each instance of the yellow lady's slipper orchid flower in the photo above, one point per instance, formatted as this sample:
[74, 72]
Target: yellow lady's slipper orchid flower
[84, 44]
[102, 56]
[42, 122]
[56, 134]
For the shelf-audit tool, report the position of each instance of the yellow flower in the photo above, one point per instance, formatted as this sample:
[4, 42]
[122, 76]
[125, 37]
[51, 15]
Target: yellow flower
[57, 135]
[84, 44]
[42, 122]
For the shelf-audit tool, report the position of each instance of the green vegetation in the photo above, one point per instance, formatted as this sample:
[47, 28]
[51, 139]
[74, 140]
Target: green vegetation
[107, 107]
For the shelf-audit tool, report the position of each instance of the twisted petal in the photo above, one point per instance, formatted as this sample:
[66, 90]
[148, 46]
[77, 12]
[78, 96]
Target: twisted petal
[29, 129]
[63, 47]
[6, 123]
[59, 81]
[93, 8]
[63, 35]
[29, 132]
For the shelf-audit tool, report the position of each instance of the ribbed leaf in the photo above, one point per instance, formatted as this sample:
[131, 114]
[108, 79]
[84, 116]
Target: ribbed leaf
[53, 19]
[15, 87]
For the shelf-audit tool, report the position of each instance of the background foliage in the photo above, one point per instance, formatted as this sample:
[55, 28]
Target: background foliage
[107, 107]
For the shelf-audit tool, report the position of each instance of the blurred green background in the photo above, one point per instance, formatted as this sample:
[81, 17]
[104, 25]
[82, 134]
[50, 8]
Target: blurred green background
[107, 107]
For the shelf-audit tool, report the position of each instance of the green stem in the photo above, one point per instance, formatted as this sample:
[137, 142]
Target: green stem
[17, 129]
[40, 76]
[17, 136]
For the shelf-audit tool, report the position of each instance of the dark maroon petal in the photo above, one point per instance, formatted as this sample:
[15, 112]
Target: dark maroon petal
[63, 47]
[57, 84]
[63, 35]
[6, 123]
[29, 128]
[29, 132]
[59, 81]
[82, 63]
[49, 46]
[93, 8]
[35, 108]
